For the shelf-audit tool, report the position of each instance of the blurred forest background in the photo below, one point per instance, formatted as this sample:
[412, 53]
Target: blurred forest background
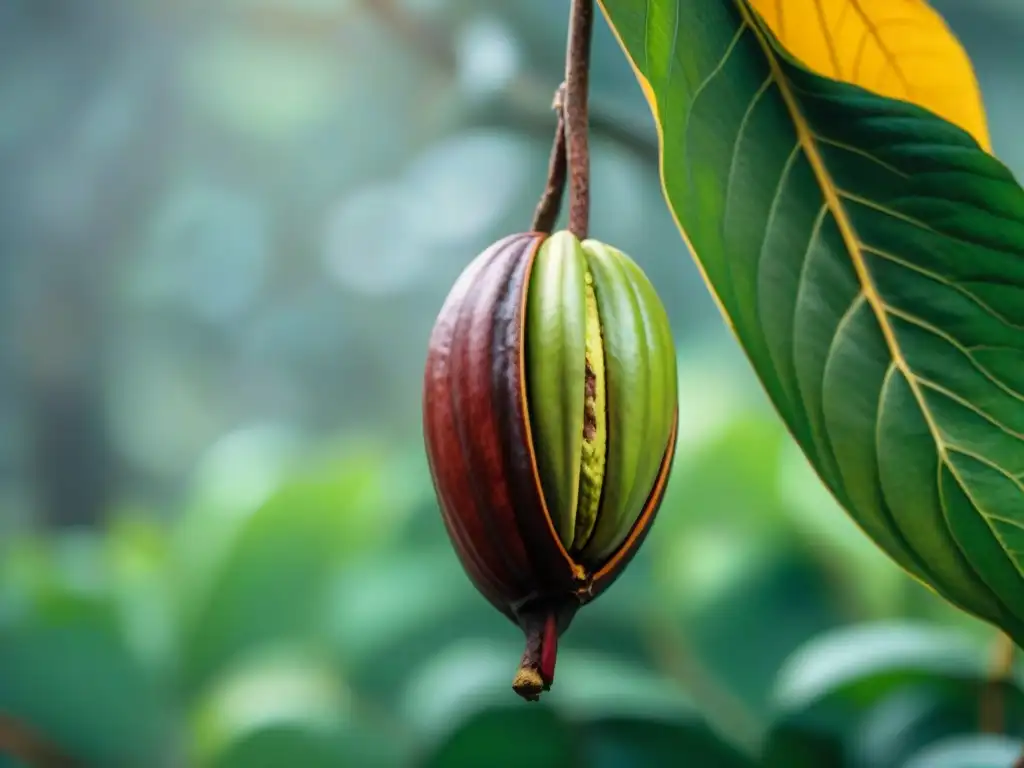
[225, 231]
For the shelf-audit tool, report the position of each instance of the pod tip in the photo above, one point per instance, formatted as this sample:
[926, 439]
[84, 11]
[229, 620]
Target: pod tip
[536, 671]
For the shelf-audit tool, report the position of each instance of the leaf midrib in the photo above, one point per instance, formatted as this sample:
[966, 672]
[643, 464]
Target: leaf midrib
[846, 230]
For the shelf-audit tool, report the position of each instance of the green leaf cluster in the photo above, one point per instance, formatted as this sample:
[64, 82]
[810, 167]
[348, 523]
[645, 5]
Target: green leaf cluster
[325, 621]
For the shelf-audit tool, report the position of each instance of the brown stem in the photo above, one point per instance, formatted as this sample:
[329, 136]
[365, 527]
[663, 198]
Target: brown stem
[28, 747]
[550, 204]
[992, 715]
[577, 77]
[536, 671]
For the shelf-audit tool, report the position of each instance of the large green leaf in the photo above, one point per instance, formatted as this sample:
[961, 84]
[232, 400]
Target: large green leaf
[870, 258]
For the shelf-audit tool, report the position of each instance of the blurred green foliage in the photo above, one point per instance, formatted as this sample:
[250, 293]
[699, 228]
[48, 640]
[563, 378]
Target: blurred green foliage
[326, 622]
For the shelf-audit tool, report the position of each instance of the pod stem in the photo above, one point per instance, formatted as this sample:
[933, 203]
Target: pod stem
[550, 204]
[577, 83]
[537, 669]
[570, 153]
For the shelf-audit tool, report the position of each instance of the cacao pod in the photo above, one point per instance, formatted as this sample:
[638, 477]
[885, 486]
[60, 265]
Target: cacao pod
[550, 415]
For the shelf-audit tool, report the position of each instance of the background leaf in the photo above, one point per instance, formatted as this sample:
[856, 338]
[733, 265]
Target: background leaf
[872, 696]
[636, 743]
[988, 751]
[870, 258]
[903, 50]
[284, 705]
[269, 578]
[68, 674]
[506, 737]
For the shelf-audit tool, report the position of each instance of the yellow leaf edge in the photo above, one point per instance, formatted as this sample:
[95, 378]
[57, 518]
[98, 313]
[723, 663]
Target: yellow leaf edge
[972, 116]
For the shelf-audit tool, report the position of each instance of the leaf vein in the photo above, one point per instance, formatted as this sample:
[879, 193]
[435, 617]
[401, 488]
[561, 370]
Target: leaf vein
[700, 90]
[963, 402]
[841, 327]
[914, 222]
[860, 152]
[829, 42]
[801, 284]
[875, 31]
[1008, 521]
[734, 155]
[715, 71]
[924, 325]
[647, 37]
[890, 257]
[953, 448]
[841, 20]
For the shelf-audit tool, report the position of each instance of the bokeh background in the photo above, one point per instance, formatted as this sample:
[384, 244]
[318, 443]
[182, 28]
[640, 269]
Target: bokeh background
[225, 231]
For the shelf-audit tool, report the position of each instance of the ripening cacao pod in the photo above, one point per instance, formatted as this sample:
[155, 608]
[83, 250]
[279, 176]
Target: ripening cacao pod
[550, 416]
